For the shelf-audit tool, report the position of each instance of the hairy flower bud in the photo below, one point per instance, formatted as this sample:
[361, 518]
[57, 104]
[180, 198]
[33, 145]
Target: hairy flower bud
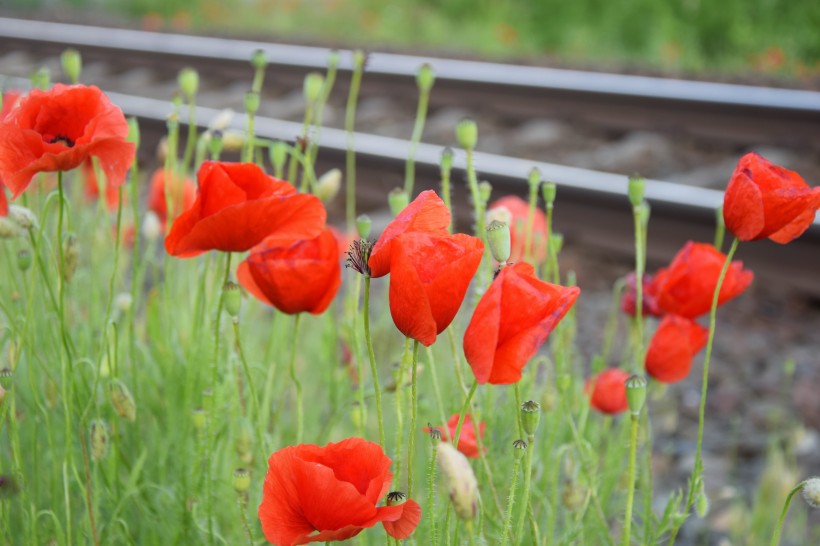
[459, 480]
[811, 492]
[467, 134]
[328, 185]
[23, 217]
[123, 401]
[425, 78]
[100, 439]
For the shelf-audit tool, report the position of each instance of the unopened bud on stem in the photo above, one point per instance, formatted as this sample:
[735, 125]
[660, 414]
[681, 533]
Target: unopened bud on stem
[636, 188]
[498, 237]
[467, 134]
[636, 394]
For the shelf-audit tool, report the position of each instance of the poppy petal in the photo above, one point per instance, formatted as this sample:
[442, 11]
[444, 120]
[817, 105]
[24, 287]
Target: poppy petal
[405, 522]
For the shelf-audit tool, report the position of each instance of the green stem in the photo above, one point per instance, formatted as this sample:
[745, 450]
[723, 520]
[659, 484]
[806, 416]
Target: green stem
[411, 443]
[300, 417]
[639, 270]
[431, 494]
[778, 529]
[372, 356]
[630, 496]
[350, 156]
[510, 502]
[463, 413]
[525, 498]
[400, 409]
[190, 143]
[418, 129]
[518, 412]
[251, 385]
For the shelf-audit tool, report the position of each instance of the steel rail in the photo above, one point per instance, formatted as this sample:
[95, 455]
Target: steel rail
[746, 113]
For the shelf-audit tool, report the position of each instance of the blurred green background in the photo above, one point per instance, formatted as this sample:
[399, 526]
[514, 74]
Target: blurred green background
[773, 37]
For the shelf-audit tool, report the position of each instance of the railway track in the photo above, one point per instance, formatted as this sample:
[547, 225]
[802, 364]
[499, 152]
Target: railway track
[592, 208]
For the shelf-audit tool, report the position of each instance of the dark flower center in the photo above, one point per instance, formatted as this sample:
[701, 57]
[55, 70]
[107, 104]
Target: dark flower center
[60, 138]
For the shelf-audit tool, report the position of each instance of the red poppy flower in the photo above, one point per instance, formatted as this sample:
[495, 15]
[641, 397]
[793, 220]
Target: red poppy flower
[426, 214]
[4, 204]
[237, 206]
[674, 344]
[58, 130]
[765, 200]
[318, 494]
[649, 303]
[10, 99]
[467, 441]
[429, 275]
[183, 195]
[607, 391]
[513, 319]
[92, 187]
[686, 287]
[519, 211]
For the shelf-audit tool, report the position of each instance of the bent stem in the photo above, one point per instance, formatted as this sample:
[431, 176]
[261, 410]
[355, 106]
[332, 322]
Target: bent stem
[698, 468]
[370, 353]
[300, 417]
[782, 519]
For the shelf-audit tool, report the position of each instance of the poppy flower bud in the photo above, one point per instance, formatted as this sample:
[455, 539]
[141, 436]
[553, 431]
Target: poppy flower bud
[151, 226]
[278, 153]
[24, 259]
[398, 200]
[811, 492]
[636, 394]
[556, 242]
[232, 298]
[530, 416]
[100, 439]
[123, 401]
[8, 228]
[252, 101]
[485, 189]
[327, 187]
[312, 87]
[467, 133]
[446, 160]
[200, 418]
[498, 237]
[71, 256]
[635, 190]
[519, 449]
[241, 480]
[259, 60]
[459, 480]
[363, 225]
[23, 217]
[425, 78]
[548, 190]
[188, 80]
[72, 64]
[233, 141]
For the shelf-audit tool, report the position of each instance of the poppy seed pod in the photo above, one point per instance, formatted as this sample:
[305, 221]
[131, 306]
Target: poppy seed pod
[548, 191]
[498, 238]
[811, 492]
[485, 190]
[459, 480]
[519, 449]
[312, 88]
[398, 200]
[188, 80]
[363, 225]
[259, 59]
[515, 212]
[636, 394]
[530, 416]
[24, 259]
[636, 189]
[467, 134]
[123, 401]
[241, 480]
[232, 298]
[425, 77]
[72, 64]
[446, 160]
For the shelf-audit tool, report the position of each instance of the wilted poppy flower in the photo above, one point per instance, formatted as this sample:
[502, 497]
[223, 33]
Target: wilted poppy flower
[607, 391]
[516, 215]
[674, 344]
[237, 206]
[294, 276]
[649, 303]
[687, 285]
[58, 130]
[92, 187]
[426, 214]
[429, 275]
[182, 191]
[318, 494]
[512, 320]
[467, 441]
[765, 200]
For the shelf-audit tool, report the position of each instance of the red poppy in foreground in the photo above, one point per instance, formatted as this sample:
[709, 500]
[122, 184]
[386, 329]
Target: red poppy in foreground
[467, 441]
[10, 99]
[429, 275]
[686, 287]
[237, 206]
[58, 130]
[649, 304]
[426, 214]
[765, 200]
[674, 344]
[607, 391]
[182, 193]
[519, 211]
[511, 322]
[319, 494]
[294, 276]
